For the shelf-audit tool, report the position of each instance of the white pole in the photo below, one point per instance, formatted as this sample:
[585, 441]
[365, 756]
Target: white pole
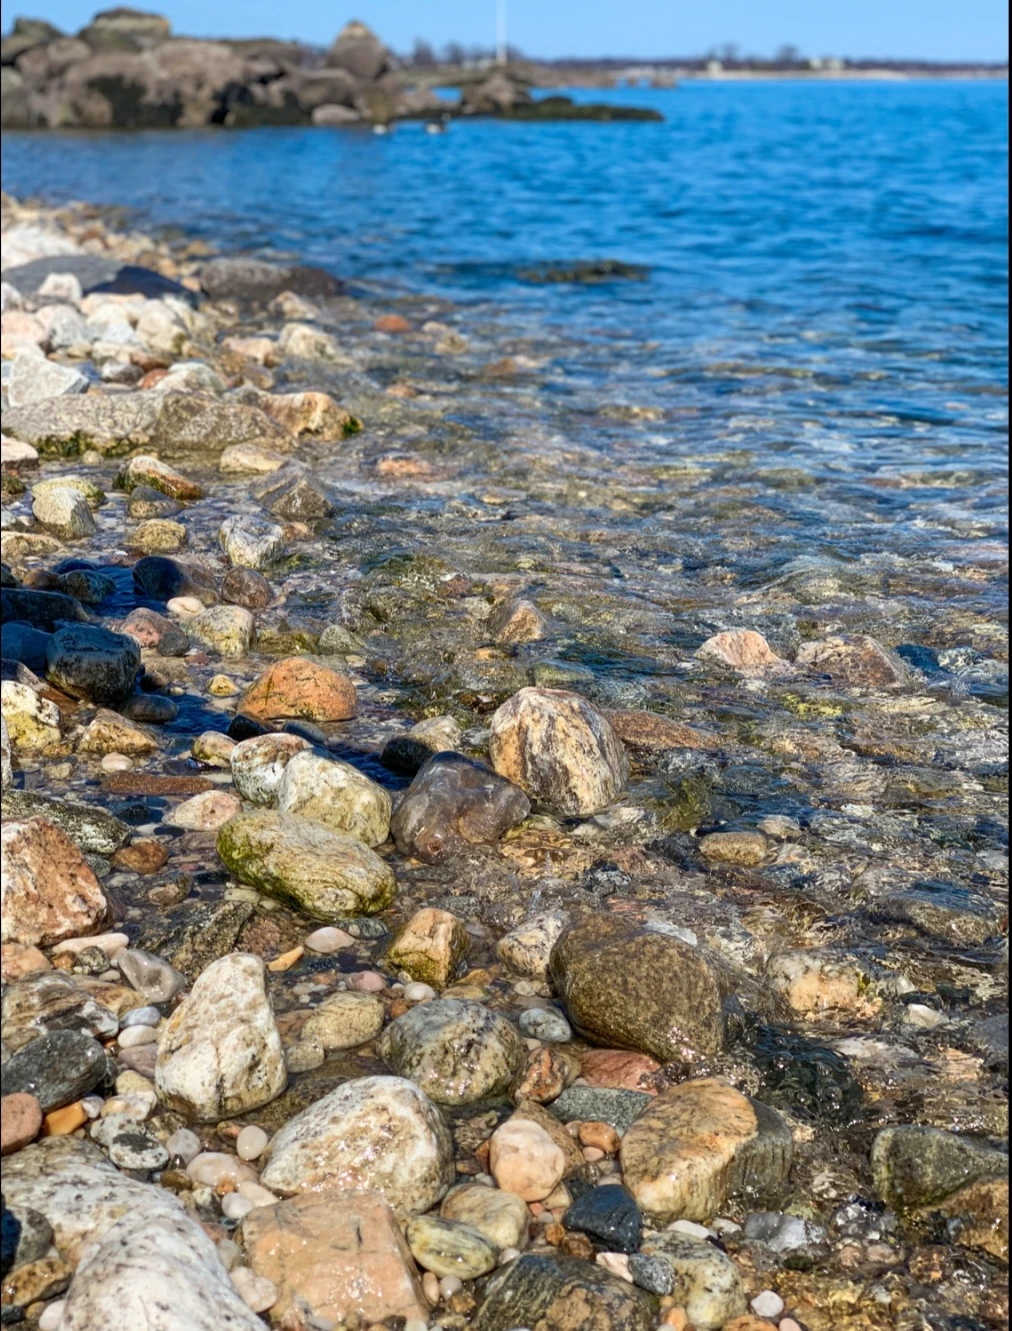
[500, 25]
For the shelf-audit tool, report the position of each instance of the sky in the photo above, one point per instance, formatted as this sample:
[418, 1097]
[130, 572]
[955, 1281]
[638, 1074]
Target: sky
[916, 29]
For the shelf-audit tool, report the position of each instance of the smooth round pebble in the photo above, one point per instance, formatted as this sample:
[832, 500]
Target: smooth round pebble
[135, 1035]
[183, 606]
[367, 982]
[213, 1167]
[542, 1023]
[229, 1252]
[768, 1304]
[52, 1315]
[788, 1324]
[430, 1284]
[328, 940]
[416, 992]
[256, 1193]
[257, 1292]
[184, 1144]
[116, 762]
[251, 1143]
[140, 1016]
[235, 1207]
[450, 1285]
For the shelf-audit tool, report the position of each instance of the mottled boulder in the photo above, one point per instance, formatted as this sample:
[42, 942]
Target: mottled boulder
[375, 1133]
[325, 874]
[220, 1052]
[336, 795]
[639, 987]
[452, 804]
[91, 828]
[559, 749]
[227, 629]
[916, 1166]
[145, 470]
[86, 661]
[741, 649]
[337, 1254]
[562, 1295]
[707, 1283]
[297, 687]
[58, 1068]
[855, 661]
[700, 1143]
[456, 1050]
[49, 891]
[258, 764]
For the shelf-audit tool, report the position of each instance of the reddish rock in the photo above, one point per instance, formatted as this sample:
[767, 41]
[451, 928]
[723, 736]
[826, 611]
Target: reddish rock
[147, 627]
[742, 649]
[296, 687]
[153, 377]
[854, 660]
[403, 466]
[620, 1070]
[49, 891]
[392, 323]
[647, 730]
[145, 855]
[20, 959]
[20, 1121]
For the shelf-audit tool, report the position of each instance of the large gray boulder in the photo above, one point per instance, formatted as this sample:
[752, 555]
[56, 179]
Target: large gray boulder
[358, 50]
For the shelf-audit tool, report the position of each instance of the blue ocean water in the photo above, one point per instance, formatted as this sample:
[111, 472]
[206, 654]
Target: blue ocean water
[831, 256]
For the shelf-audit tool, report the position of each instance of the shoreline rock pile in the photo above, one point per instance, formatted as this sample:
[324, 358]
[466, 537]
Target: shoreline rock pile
[366, 963]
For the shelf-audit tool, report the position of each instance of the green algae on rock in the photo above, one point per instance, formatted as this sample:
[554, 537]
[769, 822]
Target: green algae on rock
[326, 875]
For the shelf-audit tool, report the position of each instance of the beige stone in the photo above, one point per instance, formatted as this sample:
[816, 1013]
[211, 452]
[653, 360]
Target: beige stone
[429, 947]
[742, 649]
[109, 732]
[49, 892]
[525, 1161]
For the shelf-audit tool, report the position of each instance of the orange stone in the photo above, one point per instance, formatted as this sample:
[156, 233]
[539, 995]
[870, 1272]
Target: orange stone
[599, 1136]
[619, 1069]
[60, 1122]
[296, 686]
[145, 855]
[19, 959]
[392, 323]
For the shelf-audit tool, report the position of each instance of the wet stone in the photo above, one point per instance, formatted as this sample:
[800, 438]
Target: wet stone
[609, 1217]
[251, 542]
[456, 1050]
[246, 587]
[449, 1248]
[259, 763]
[57, 1068]
[85, 661]
[336, 795]
[917, 1166]
[502, 1217]
[567, 1294]
[92, 829]
[151, 708]
[454, 803]
[707, 1281]
[620, 1108]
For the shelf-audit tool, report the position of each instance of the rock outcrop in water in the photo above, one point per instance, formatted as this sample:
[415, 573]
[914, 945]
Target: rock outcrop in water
[125, 70]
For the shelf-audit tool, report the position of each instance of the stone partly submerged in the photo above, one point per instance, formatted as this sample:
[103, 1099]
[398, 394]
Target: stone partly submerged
[323, 873]
[540, 1292]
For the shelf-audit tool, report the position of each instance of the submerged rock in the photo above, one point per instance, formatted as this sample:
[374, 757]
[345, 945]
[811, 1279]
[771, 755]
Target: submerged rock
[325, 874]
[919, 1166]
[449, 1248]
[562, 1295]
[454, 803]
[559, 749]
[57, 1068]
[456, 1050]
[220, 1052]
[854, 660]
[379, 1134]
[86, 661]
[429, 947]
[706, 1283]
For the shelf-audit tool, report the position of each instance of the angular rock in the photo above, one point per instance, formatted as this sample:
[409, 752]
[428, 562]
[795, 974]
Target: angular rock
[978, 1217]
[220, 1052]
[699, 1143]
[33, 381]
[90, 828]
[64, 511]
[325, 874]
[49, 1000]
[49, 891]
[296, 687]
[559, 749]
[402, 753]
[109, 732]
[33, 722]
[429, 947]
[158, 475]
[516, 620]
[313, 413]
[628, 984]
[86, 661]
[376, 1133]
[741, 649]
[251, 542]
[228, 630]
[335, 794]
[163, 1275]
[456, 1050]
[293, 494]
[562, 1295]
[854, 661]
[452, 804]
[258, 764]
[609, 1217]
[336, 1254]
[919, 1166]
[151, 976]
[527, 949]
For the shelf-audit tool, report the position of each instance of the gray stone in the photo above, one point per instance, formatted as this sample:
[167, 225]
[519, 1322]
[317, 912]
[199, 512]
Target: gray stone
[918, 1166]
[620, 1108]
[94, 830]
[781, 1232]
[456, 1050]
[449, 1248]
[293, 494]
[86, 661]
[58, 1068]
[33, 380]
[51, 1001]
[545, 1024]
[150, 975]
[250, 541]
[562, 1295]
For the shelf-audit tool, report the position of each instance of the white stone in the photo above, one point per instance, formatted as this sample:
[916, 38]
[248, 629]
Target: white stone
[259, 1196]
[184, 606]
[164, 1276]
[136, 1035]
[257, 1292]
[220, 1053]
[139, 1016]
[768, 1304]
[417, 992]
[61, 286]
[378, 1133]
[525, 1160]
[214, 1167]
[251, 1143]
[110, 943]
[52, 1315]
[234, 1206]
[258, 764]
[337, 795]
[6, 770]
[33, 380]
[328, 940]
[184, 1144]
[250, 541]
[33, 722]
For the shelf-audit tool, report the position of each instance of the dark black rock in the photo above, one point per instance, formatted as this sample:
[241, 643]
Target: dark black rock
[147, 502]
[86, 661]
[255, 281]
[246, 587]
[43, 610]
[97, 273]
[88, 584]
[452, 804]
[23, 643]
[153, 708]
[244, 727]
[563, 1295]
[160, 578]
[10, 1233]
[57, 1069]
[807, 1079]
[609, 1217]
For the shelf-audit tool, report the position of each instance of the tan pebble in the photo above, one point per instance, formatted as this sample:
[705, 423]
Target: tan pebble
[287, 959]
[601, 1136]
[430, 1284]
[184, 606]
[116, 762]
[20, 959]
[222, 687]
[20, 1121]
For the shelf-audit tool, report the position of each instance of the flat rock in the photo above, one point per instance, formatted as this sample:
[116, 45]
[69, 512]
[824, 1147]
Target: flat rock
[581, 1104]
[562, 1295]
[699, 1143]
[559, 749]
[429, 947]
[609, 1217]
[33, 381]
[92, 829]
[49, 892]
[336, 1254]
[456, 1050]
[50, 1000]
[57, 1068]
[325, 874]
[220, 1052]
[344, 1021]
[293, 494]
[452, 804]
[624, 983]
[380, 1134]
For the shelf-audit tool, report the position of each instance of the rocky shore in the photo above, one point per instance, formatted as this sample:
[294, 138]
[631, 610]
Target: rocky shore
[379, 950]
[125, 70]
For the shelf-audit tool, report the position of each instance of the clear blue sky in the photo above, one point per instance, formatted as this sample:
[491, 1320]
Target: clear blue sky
[927, 29]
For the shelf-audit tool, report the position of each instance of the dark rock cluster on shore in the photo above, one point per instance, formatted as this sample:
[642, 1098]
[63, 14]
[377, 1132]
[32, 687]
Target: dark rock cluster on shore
[125, 70]
[370, 963]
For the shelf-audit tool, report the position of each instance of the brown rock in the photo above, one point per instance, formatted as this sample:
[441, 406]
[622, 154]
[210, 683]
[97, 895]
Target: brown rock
[600, 1135]
[620, 1070]
[295, 687]
[854, 660]
[647, 730]
[145, 855]
[516, 620]
[49, 891]
[746, 848]
[20, 1121]
[20, 959]
[429, 947]
[742, 649]
[337, 1255]
[62, 1122]
[392, 323]
[403, 466]
[979, 1216]
[154, 783]
[547, 1074]
[316, 414]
